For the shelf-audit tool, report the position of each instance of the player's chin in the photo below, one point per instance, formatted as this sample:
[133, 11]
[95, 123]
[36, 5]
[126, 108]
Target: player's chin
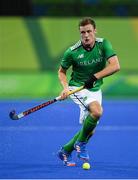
[87, 44]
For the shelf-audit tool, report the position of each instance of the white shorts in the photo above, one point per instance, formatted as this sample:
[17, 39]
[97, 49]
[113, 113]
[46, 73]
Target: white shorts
[85, 98]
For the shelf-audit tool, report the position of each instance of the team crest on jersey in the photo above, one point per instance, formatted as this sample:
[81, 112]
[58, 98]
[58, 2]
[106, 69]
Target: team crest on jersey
[100, 52]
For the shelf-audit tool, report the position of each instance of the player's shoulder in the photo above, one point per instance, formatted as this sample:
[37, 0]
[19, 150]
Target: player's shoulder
[72, 48]
[76, 46]
[103, 42]
[99, 40]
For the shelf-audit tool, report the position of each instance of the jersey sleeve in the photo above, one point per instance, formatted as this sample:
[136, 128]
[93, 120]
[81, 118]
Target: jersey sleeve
[66, 60]
[108, 50]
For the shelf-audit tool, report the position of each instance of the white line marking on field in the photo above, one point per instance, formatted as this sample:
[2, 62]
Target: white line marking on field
[69, 128]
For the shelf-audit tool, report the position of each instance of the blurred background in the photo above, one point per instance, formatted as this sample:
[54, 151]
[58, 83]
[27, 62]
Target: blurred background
[33, 37]
[35, 33]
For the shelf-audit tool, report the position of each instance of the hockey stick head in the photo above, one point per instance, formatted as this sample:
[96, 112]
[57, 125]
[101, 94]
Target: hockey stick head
[13, 115]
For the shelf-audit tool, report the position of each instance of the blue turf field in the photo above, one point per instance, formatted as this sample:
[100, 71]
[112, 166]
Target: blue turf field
[28, 147]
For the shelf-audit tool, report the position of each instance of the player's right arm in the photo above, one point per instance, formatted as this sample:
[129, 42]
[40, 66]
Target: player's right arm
[65, 64]
[63, 80]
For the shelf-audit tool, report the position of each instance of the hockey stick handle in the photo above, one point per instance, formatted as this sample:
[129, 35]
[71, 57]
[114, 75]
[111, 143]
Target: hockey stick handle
[15, 116]
[71, 92]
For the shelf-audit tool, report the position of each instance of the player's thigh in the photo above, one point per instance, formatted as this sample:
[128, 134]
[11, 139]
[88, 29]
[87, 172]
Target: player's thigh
[95, 109]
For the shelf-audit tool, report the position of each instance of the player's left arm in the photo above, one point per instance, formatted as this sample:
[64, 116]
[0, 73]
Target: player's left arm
[112, 67]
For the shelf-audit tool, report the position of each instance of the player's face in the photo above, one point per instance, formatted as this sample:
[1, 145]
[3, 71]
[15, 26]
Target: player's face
[87, 35]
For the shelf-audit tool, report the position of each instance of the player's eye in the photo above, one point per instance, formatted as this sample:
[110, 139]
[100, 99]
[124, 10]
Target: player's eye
[89, 31]
[82, 32]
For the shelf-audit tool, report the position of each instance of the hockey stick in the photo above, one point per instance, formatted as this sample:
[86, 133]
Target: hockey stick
[15, 116]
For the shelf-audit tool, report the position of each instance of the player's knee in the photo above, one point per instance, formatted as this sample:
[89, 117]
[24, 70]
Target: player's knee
[96, 114]
[95, 110]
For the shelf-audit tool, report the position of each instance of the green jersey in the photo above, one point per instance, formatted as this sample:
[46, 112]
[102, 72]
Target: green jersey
[85, 63]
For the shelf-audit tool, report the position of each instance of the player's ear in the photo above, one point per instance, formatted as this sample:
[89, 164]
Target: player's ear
[95, 30]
